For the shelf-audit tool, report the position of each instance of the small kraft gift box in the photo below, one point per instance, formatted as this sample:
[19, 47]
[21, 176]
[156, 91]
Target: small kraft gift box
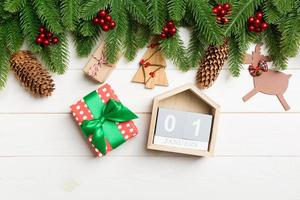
[104, 121]
[98, 68]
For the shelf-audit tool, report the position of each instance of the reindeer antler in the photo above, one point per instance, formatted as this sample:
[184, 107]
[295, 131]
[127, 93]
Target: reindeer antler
[256, 56]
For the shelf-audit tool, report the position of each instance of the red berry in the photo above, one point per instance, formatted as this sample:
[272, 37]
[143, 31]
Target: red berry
[101, 22]
[259, 15]
[225, 20]
[42, 29]
[215, 10]
[163, 35]
[226, 6]
[219, 19]
[165, 29]
[173, 31]
[38, 40]
[147, 64]
[258, 30]
[49, 35]
[95, 20]
[222, 13]
[112, 24]
[105, 27]
[170, 24]
[257, 22]
[264, 25]
[251, 20]
[42, 35]
[251, 28]
[152, 74]
[142, 62]
[102, 13]
[219, 7]
[108, 18]
[55, 40]
[46, 42]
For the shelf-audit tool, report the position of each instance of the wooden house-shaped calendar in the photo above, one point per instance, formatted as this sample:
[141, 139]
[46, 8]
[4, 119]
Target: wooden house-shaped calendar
[184, 121]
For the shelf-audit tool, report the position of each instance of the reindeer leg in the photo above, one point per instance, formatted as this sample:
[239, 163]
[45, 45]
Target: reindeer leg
[283, 102]
[249, 95]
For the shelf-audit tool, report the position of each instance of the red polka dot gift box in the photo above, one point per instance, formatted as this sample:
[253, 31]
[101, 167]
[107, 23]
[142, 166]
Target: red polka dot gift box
[104, 121]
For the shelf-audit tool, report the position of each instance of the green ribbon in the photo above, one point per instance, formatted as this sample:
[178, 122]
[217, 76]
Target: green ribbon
[103, 125]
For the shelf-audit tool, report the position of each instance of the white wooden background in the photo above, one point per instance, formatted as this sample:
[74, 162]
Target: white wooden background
[43, 155]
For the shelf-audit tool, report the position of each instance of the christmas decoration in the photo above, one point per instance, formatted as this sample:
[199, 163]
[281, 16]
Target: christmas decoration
[174, 126]
[168, 30]
[104, 20]
[45, 37]
[221, 12]
[31, 74]
[138, 21]
[211, 65]
[98, 67]
[266, 81]
[152, 67]
[257, 70]
[104, 120]
[256, 23]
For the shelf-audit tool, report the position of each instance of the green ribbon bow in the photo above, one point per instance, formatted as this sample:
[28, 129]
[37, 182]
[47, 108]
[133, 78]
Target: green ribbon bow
[103, 125]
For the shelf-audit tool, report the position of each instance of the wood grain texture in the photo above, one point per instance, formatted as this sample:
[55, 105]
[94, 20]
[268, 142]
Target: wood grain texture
[43, 154]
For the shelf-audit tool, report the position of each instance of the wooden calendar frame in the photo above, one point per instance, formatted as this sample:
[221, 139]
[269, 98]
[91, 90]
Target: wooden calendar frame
[190, 99]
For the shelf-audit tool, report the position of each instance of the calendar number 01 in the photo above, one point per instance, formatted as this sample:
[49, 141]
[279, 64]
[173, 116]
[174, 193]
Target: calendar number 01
[170, 124]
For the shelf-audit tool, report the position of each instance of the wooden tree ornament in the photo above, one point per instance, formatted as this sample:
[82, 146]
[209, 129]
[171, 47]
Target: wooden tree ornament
[269, 82]
[98, 68]
[152, 67]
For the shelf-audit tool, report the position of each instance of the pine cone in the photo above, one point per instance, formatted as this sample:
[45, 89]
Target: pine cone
[32, 75]
[211, 65]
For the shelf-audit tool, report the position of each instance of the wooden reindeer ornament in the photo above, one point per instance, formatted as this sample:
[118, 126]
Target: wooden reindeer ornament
[152, 67]
[266, 81]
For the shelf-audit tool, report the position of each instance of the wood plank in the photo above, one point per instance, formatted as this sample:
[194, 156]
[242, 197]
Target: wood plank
[227, 92]
[59, 135]
[150, 178]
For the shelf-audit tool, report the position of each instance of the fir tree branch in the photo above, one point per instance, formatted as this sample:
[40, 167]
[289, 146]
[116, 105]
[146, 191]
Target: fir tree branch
[173, 49]
[272, 40]
[13, 5]
[290, 30]
[56, 56]
[91, 7]
[70, 13]
[87, 28]
[30, 23]
[138, 10]
[49, 15]
[4, 59]
[271, 14]
[283, 6]
[157, 14]
[14, 39]
[205, 22]
[176, 9]
[143, 36]
[241, 11]
[130, 43]
[235, 57]
[84, 45]
[196, 49]
[114, 38]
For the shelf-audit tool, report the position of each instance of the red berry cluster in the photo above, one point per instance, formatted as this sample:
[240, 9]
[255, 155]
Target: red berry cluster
[221, 12]
[256, 23]
[45, 37]
[104, 20]
[168, 30]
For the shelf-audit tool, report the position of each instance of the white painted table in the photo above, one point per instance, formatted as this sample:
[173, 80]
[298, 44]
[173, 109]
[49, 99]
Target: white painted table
[43, 155]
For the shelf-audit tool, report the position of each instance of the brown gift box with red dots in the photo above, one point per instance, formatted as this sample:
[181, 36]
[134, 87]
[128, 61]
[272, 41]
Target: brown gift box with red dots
[81, 112]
